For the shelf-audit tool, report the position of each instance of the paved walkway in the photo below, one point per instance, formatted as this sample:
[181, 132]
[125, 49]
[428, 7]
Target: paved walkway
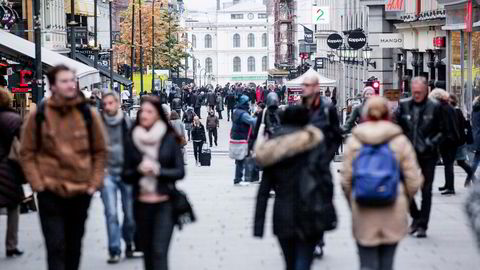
[222, 237]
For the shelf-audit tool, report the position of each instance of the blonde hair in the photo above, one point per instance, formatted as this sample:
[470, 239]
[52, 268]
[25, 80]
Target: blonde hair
[376, 109]
[5, 99]
[439, 94]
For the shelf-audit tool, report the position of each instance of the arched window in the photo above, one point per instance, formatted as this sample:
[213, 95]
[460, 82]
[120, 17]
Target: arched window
[236, 41]
[208, 41]
[264, 63]
[264, 40]
[251, 64]
[237, 64]
[251, 40]
[208, 65]
[194, 41]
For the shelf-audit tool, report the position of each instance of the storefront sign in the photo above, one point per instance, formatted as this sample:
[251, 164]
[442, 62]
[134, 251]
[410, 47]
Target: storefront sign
[319, 63]
[439, 42]
[395, 5]
[307, 35]
[321, 15]
[8, 16]
[394, 40]
[356, 40]
[334, 41]
[21, 90]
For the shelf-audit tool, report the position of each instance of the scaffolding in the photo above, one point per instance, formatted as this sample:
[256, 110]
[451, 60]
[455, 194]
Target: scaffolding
[284, 28]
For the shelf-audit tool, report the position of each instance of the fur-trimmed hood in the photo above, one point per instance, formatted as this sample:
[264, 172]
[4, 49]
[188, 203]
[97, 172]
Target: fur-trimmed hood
[288, 145]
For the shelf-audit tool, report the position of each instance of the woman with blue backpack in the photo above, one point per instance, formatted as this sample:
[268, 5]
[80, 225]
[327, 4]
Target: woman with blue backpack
[380, 176]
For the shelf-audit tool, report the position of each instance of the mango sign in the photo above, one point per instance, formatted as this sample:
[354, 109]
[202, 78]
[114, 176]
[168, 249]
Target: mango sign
[395, 5]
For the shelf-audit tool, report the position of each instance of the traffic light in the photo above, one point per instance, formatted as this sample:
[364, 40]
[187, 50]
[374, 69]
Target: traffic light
[376, 87]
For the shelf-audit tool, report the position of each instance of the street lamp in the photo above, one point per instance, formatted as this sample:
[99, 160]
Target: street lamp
[331, 56]
[110, 3]
[200, 75]
[367, 55]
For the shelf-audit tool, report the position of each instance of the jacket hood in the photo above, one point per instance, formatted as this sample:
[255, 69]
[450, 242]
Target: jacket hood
[376, 132]
[476, 106]
[288, 145]
[58, 102]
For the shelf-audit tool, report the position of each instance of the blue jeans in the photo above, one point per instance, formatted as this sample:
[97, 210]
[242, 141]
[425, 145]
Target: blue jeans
[113, 184]
[239, 168]
[476, 161]
[298, 254]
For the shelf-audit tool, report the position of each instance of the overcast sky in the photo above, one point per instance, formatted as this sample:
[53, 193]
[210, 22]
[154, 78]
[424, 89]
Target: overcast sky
[201, 4]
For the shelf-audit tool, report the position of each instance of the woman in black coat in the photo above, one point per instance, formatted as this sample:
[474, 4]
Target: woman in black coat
[476, 133]
[198, 138]
[11, 193]
[285, 158]
[153, 163]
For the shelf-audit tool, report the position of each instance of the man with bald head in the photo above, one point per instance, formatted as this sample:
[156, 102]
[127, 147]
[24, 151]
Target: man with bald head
[324, 116]
[422, 122]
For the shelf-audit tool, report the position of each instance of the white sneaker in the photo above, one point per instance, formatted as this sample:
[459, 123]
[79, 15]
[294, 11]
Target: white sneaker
[244, 184]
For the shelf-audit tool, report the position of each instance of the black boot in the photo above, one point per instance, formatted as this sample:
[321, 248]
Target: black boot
[14, 253]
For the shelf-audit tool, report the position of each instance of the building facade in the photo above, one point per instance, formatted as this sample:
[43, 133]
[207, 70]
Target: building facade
[234, 44]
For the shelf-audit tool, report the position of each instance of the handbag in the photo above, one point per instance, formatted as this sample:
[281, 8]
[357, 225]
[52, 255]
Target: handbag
[182, 209]
[261, 136]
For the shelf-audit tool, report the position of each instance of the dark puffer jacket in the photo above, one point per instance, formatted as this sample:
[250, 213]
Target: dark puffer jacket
[10, 183]
[283, 167]
[476, 125]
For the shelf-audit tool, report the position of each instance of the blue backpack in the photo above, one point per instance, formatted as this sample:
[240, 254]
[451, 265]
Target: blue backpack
[376, 174]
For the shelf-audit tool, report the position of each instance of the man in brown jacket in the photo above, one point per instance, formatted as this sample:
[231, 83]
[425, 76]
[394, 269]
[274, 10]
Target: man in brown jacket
[65, 165]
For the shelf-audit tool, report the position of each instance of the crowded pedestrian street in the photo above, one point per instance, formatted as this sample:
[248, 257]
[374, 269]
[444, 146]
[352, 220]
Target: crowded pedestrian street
[239, 134]
[222, 238]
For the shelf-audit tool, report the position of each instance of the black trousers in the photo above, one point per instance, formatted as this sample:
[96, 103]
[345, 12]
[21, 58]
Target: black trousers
[197, 149]
[229, 112]
[212, 133]
[197, 111]
[63, 226]
[377, 258]
[448, 156]
[298, 254]
[155, 228]
[219, 114]
[421, 215]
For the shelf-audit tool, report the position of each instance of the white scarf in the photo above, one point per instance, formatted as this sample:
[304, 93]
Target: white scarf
[148, 143]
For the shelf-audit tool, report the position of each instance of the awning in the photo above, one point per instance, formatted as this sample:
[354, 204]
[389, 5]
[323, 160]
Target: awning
[21, 49]
[104, 71]
[295, 83]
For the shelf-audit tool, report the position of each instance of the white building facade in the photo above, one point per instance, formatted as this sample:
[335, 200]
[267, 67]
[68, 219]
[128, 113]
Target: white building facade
[232, 45]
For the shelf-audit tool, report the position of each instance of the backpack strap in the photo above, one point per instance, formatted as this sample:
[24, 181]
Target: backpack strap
[87, 117]
[39, 119]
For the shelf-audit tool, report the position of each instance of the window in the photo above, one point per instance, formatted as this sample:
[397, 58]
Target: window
[264, 40]
[236, 41]
[262, 15]
[237, 16]
[208, 41]
[251, 40]
[194, 41]
[208, 65]
[251, 64]
[264, 63]
[237, 64]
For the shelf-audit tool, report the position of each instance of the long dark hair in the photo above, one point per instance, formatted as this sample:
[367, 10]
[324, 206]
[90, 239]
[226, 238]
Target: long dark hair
[155, 101]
